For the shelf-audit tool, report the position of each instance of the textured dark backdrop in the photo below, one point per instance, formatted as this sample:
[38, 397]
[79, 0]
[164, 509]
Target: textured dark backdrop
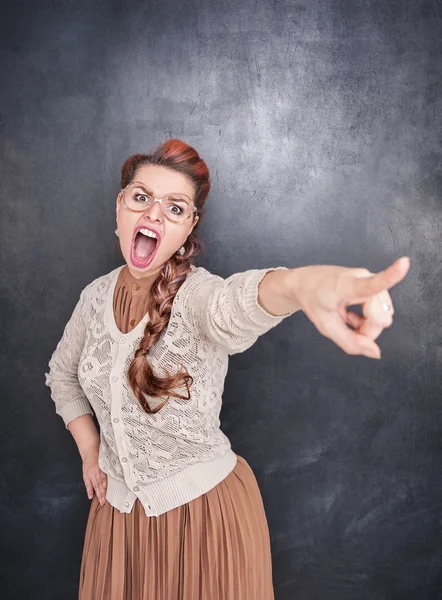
[321, 123]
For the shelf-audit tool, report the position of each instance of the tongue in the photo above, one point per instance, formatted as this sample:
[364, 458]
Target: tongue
[144, 246]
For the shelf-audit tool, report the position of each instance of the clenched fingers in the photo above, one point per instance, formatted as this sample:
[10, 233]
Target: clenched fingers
[376, 317]
[350, 341]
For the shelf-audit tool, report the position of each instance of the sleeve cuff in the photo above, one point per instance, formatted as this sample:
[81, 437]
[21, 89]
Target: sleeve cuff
[72, 410]
[255, 311]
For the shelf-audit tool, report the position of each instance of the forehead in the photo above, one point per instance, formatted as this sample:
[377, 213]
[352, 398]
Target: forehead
[161, 180]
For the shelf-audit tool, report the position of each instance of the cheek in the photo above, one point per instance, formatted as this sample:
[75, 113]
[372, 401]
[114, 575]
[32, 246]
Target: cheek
[125, 231]
[179, 237]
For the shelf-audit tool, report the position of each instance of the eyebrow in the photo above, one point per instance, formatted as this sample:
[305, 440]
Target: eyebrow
[146, 189]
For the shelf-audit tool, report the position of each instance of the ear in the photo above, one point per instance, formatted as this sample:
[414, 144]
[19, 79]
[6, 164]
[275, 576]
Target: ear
[195, 222]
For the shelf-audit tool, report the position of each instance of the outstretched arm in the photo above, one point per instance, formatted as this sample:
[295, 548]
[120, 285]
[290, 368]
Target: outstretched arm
[227, 311]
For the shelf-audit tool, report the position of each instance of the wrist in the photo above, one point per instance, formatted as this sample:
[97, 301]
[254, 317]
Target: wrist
[277, 291]
[86, 436]
[90, 452]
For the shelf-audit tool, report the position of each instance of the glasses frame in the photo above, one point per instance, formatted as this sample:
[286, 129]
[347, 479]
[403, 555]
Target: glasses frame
[160, 200]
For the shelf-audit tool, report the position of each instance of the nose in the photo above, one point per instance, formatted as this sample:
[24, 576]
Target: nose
[154, 211]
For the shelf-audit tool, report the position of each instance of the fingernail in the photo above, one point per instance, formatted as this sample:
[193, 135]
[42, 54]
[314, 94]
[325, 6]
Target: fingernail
[371, 354]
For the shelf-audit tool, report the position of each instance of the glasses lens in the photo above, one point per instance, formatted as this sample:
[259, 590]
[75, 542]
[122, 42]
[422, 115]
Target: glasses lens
[176, 207]
[137, 199]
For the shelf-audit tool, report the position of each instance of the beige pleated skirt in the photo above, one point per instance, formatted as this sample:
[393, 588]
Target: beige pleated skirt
[216, 547]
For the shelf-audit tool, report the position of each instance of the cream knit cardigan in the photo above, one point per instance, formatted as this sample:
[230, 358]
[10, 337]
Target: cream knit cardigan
[171, 457]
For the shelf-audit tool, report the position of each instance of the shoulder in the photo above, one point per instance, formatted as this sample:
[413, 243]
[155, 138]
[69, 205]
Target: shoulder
[199, 284]
[198, 275]
[202, 273]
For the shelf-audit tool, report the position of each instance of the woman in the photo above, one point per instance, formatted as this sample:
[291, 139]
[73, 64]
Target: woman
[175, 513]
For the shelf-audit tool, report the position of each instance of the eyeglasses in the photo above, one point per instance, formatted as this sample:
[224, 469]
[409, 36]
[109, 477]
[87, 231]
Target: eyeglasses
[175, 207]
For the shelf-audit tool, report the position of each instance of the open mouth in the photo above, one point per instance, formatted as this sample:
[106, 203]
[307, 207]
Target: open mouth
[143, 250]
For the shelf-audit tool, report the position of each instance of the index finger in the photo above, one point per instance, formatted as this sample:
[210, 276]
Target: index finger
[363, 288]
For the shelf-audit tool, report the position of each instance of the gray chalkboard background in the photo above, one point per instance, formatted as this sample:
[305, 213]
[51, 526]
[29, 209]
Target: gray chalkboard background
[321, 124]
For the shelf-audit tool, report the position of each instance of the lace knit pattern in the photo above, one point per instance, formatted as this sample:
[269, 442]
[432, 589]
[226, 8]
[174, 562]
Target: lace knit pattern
[211, 318]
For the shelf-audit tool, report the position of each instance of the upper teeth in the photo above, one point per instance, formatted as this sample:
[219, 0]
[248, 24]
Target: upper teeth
[148, 232]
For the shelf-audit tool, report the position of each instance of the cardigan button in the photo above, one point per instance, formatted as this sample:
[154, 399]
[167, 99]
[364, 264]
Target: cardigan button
[132, 322]
[116, 420]
[122, 339]
[115, 379]
[124, 460]
[136, 286]
[126, 504]
[136, 489]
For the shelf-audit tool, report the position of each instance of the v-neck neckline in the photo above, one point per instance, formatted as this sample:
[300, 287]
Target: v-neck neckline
[115, 332]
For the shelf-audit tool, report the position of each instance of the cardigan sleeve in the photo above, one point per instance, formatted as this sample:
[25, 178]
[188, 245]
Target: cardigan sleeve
[62, 378]
[226, 311]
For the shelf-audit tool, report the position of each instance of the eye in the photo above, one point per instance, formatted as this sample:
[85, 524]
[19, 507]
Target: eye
[178, 210]
[177, 206]
[143, 198]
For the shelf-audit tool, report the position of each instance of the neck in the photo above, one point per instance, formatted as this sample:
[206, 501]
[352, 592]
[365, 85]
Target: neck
[144, 276]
